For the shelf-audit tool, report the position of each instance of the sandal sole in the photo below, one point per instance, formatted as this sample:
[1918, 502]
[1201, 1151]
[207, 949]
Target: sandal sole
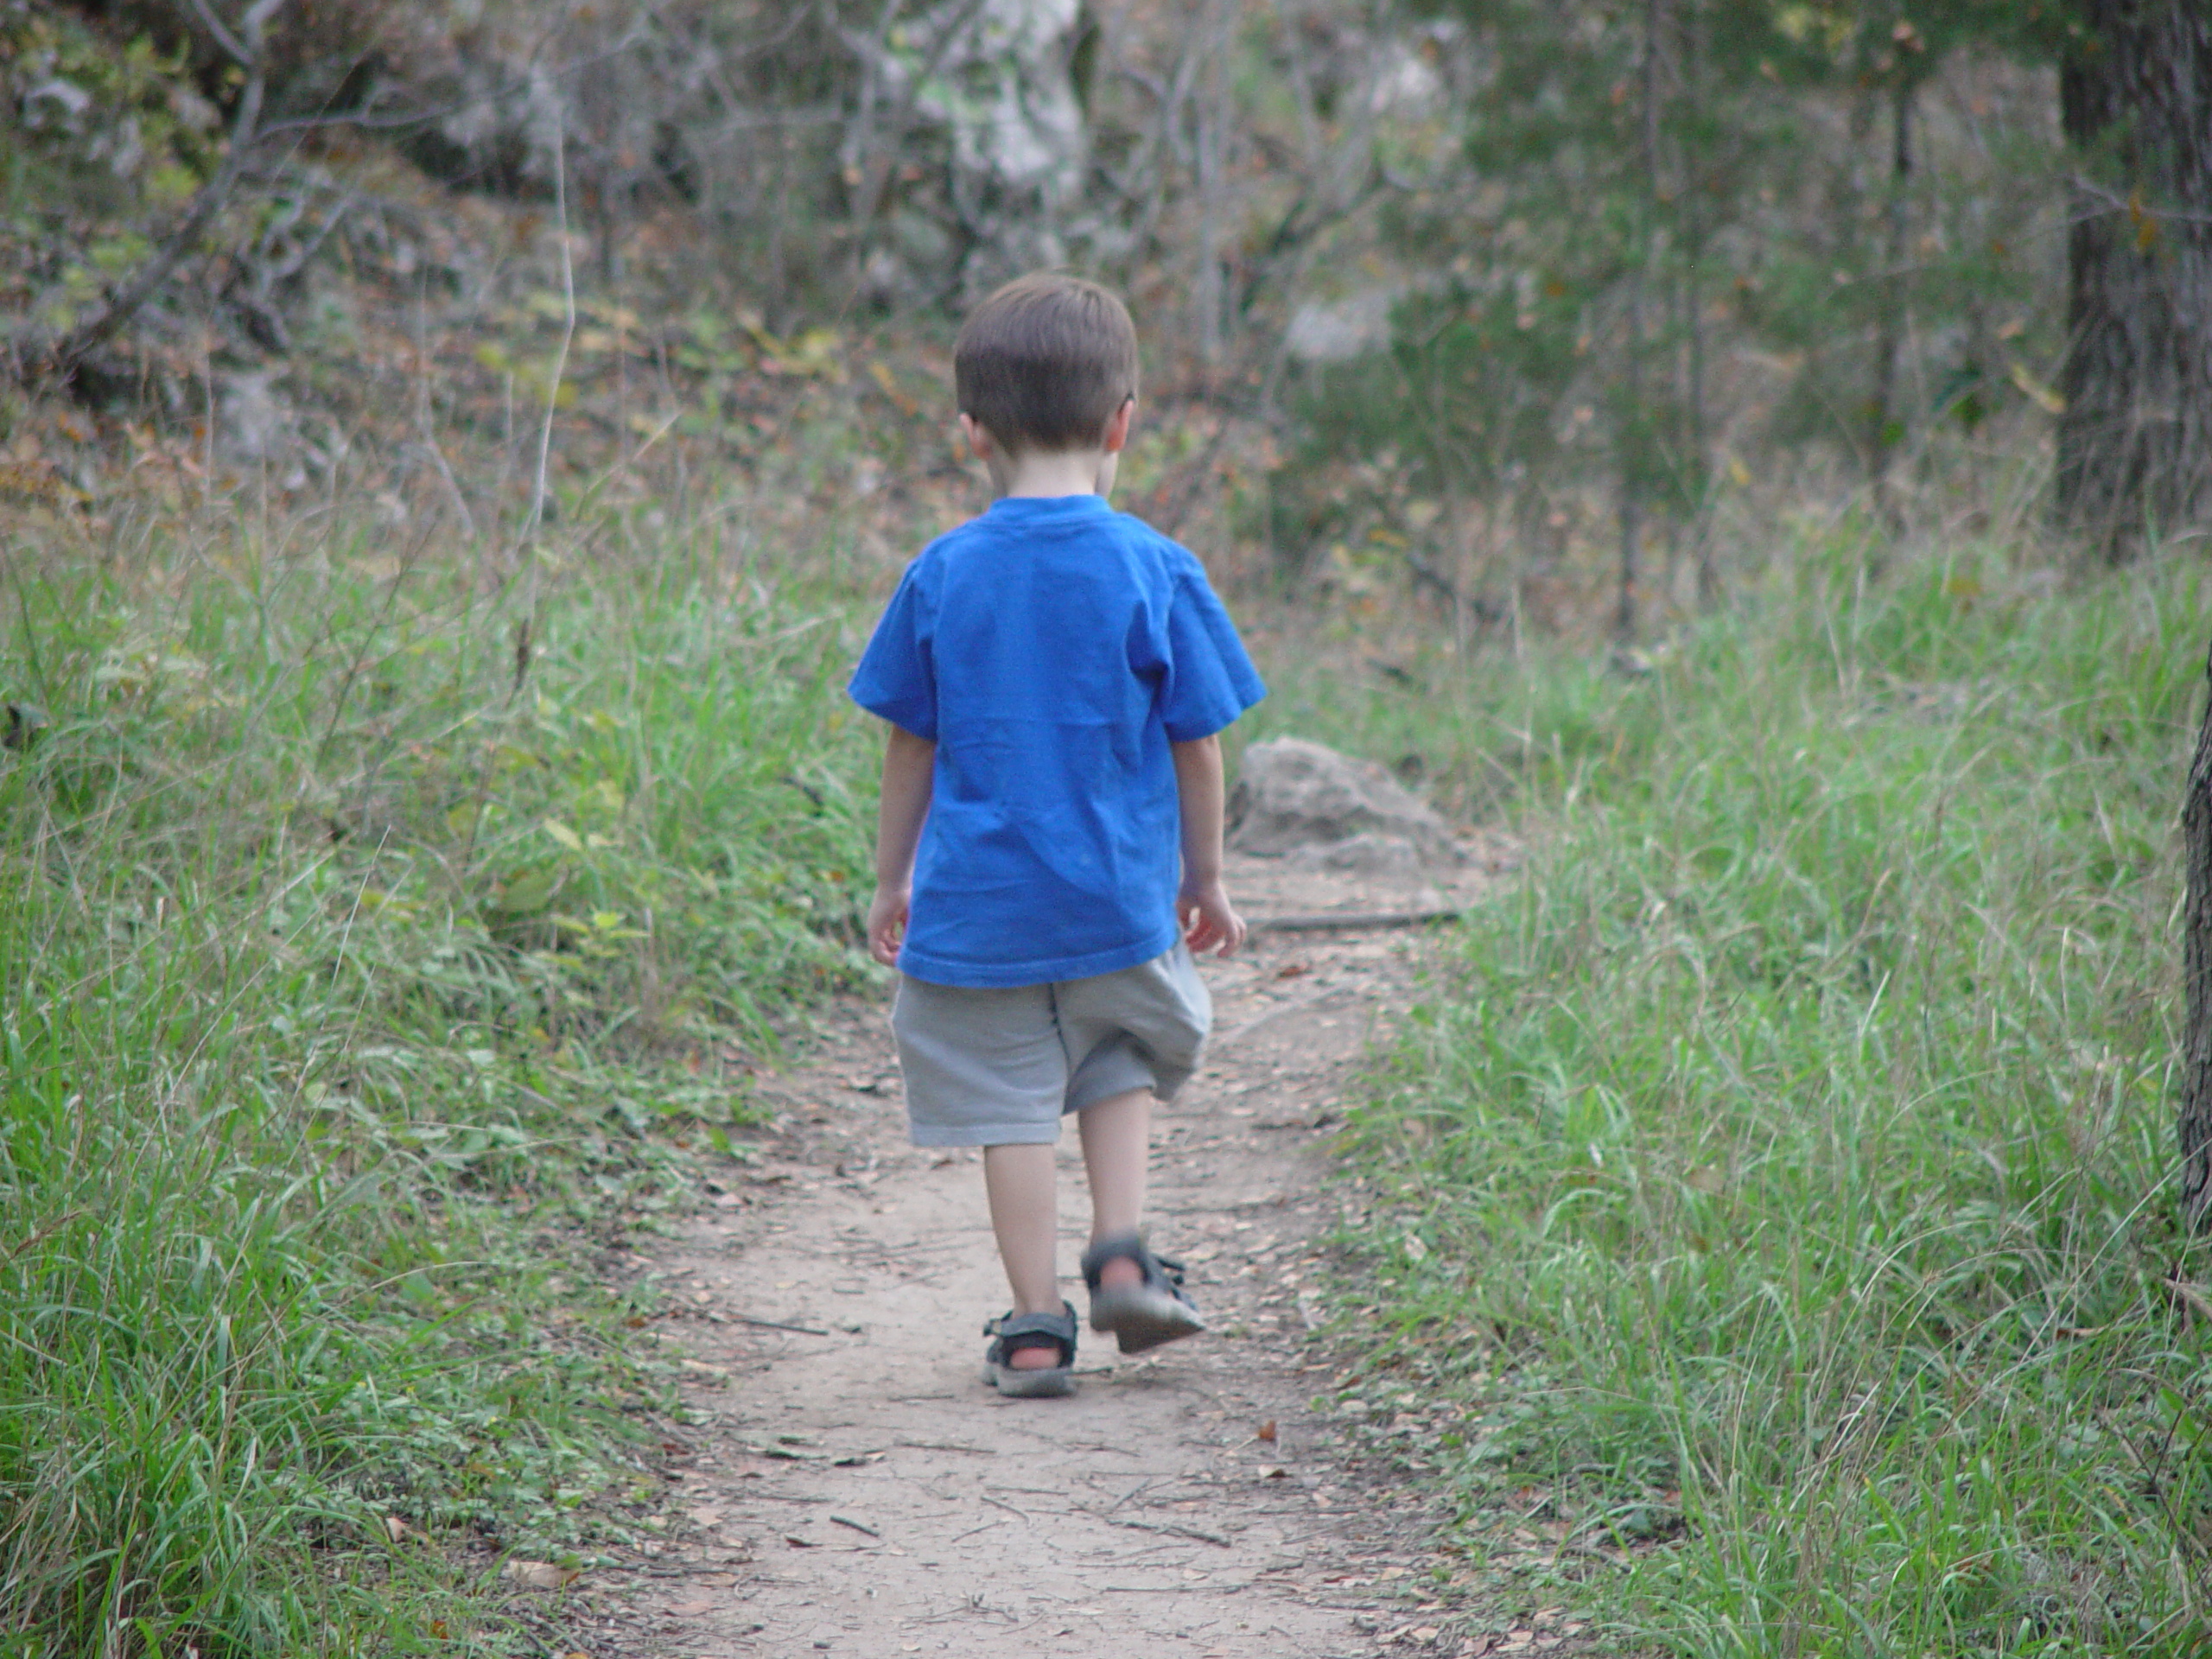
[1141, 1318]
[1050, 1383]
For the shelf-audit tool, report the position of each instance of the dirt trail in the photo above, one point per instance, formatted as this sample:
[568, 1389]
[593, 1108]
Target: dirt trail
[854, 1488]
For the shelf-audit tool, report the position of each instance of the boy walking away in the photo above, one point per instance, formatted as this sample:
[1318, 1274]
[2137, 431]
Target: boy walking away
[1048, 855]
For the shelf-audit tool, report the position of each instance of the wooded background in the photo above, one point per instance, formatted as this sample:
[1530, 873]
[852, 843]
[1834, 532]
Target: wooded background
[451, 452]
[1481, 297]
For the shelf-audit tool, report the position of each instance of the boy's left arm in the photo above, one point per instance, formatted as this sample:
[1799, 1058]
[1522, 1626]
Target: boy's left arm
[1210, 921]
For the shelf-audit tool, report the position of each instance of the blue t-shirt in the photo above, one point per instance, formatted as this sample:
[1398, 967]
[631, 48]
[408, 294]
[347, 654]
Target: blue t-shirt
[1051, 649]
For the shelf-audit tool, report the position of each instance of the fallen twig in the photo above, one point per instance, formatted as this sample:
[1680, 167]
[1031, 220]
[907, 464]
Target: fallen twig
[1322, 920]
[1176, 1527]
[857, 1526]
[777, 1324]
[781, 1453]
[1298, 1004]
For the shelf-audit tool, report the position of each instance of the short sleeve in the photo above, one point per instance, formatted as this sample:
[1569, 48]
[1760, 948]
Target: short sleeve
[897, 678]
[1210, 679]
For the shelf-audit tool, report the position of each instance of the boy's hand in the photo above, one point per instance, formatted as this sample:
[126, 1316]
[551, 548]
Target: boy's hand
[887, 924]
[1210, 921]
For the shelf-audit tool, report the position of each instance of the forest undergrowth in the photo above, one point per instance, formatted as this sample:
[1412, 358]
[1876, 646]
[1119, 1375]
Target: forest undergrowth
[1774, 1242]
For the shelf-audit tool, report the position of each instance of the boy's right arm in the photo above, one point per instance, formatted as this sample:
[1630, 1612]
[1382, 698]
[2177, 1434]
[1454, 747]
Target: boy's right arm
[908, 762]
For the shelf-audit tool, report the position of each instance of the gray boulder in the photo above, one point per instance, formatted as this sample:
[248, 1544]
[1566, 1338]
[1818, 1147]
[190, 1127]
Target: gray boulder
[1306, 802]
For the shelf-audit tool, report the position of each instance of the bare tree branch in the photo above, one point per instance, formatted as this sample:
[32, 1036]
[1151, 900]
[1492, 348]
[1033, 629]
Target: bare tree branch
[876, 168]
[62, 356]
[224, 38]
[561, 361]
[123, 302]
[367, 120]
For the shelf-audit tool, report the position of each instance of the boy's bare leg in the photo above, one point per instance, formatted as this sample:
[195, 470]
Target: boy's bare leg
[1025, 1216]
[1025, 1213]
[1116, 1145]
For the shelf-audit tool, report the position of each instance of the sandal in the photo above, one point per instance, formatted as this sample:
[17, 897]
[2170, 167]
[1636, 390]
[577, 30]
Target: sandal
[1142, 1315]
[1015, 1332]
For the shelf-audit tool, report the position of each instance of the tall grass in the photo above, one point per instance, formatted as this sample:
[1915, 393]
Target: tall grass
[369, 946]
[1775, 1232]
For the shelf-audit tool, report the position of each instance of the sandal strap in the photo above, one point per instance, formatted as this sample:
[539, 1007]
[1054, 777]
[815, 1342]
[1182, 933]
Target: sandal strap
[1131, 1247]
[1016, 1331]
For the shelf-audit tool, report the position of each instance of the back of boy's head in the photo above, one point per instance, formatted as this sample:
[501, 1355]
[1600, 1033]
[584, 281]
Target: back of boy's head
[1045, 362]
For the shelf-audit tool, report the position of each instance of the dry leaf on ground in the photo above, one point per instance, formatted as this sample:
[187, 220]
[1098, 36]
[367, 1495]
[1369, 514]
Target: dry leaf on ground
[539, 1575]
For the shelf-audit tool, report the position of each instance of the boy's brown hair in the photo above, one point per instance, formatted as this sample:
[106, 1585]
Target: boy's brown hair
[1045, 362]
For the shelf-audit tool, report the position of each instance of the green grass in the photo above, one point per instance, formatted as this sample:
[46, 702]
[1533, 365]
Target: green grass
[1771, 1212]
[358, 989]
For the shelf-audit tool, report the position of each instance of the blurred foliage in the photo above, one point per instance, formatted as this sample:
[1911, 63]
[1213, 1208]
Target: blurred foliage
[1673, 238]
[1520, 261]
[97, 130]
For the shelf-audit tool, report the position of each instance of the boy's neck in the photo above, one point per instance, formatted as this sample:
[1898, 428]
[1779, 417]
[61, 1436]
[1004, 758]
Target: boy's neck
[1038, 474]
[1047, 473]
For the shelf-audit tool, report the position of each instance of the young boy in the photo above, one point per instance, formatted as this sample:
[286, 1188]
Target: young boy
[1048, 853]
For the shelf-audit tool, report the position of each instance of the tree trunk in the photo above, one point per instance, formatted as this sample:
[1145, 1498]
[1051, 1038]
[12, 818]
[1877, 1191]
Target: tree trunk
[2196, 972]
[2135, 442]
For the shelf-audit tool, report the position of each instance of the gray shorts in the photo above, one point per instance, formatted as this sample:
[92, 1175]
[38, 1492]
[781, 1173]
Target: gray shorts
[995, 1067]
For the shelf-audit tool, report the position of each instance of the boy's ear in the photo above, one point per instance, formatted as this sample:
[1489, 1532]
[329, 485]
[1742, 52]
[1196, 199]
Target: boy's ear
[1117, 429]
[978, 437]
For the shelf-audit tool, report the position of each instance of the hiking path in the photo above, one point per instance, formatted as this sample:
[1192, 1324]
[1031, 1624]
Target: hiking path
[847, 1485]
